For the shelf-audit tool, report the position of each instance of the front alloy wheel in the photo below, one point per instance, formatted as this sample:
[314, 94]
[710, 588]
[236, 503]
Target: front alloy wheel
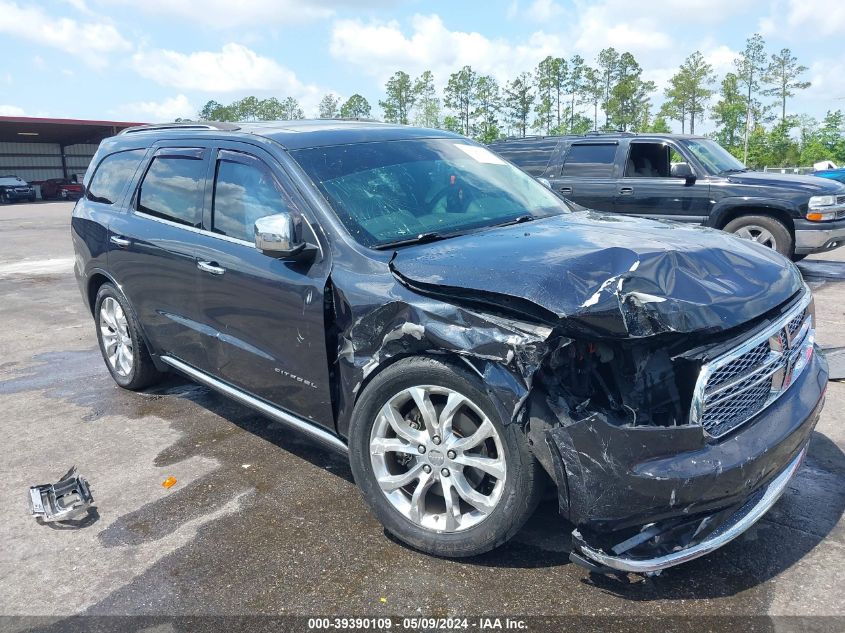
[437, 458]
[438, 462]
[758, 234]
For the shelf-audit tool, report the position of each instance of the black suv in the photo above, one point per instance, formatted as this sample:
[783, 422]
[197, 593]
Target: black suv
[687, 179]
[409, 298]
[13, 189]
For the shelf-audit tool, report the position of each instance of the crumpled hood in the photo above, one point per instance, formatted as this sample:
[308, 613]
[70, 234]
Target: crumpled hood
[811, 185]
[608, 275]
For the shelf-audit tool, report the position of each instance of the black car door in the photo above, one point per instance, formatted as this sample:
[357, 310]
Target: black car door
[263, 317]
[588, 174]
[152, 253]
[649, 186]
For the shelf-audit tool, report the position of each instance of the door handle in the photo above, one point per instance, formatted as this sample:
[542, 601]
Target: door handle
[626, 191]
[211, 267]
[122, 242]
[565, 190]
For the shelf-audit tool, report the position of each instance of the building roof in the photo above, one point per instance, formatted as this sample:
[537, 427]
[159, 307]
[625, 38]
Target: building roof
[64, 131]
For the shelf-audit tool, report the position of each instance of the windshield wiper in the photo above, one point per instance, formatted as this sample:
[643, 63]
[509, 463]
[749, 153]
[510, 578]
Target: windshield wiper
[517, 220]
[733, 170]
[422, 238]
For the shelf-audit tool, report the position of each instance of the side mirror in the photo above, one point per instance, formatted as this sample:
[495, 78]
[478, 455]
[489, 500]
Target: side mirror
[545, 182]
[275, 235]
[683, 170]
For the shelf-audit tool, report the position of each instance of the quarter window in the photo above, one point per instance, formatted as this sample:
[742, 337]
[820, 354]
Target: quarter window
[244, 193]
[173, 189]
[112, 174]
[590, 159]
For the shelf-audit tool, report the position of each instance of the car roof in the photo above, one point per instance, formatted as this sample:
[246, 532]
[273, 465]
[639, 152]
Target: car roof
[299, 134]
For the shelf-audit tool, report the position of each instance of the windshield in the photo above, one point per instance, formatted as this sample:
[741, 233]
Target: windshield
[396, 191]
[715, 158]
[12, 181]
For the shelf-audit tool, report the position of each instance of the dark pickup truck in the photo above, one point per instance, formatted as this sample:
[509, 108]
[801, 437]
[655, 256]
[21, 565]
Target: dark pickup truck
[687, 179]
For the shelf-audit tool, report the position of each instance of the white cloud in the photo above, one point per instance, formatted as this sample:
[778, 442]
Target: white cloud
[235, 69]
[805, 18]
[225, 14]
[10, 110]
[91, 41]
[379, 48]
[825, 76]
[158, 111]
[544, 10]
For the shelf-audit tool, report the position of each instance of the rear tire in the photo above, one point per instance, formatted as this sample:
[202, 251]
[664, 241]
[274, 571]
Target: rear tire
[122, 345]
[765, 230]
[462, 510]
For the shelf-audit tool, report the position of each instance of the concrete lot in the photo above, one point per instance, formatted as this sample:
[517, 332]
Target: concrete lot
[261, 522]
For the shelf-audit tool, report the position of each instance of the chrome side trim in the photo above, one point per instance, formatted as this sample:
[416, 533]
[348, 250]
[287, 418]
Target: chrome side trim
[295, 422]
[736, 526]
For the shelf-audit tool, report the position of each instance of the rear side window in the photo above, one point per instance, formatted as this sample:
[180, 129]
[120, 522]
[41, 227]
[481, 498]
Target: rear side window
[244, 193]
[112, 174]
[173, 189]
[531, 156]
[591, 160]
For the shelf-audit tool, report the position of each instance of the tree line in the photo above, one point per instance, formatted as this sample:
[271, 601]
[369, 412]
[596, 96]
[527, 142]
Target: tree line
[749, 106]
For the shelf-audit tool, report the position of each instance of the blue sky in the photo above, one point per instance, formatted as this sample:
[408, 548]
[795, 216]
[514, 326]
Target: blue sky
[151, 60]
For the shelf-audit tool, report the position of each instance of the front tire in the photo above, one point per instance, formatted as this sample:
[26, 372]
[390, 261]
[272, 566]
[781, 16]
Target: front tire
[765, 230]
[436, 463]
[122, 345]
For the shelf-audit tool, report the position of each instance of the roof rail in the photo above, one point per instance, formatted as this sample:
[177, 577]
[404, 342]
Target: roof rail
[209, 125]
[609, 133]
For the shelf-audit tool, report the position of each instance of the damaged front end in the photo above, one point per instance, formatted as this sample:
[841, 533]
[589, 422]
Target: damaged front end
[669, 389]
[666, 434]
[664, 453]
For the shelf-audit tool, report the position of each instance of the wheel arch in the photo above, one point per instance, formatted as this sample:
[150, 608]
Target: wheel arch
[96, 280]
[505, 389]
[729, 212]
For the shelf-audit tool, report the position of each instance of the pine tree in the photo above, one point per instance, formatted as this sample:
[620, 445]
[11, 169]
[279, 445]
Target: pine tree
[783, 72]
[519, 97]
[750, 66]
[459, 96]
[399, 98]
[427, 108]
[329, 106]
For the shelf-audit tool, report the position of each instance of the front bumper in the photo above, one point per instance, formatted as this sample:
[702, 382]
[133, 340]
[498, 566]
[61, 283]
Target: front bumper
[11, 194]
[818, 237]
[737, 523]
[618, 484]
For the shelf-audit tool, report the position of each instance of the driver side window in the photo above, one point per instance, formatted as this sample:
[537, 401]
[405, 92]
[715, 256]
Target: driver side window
[243, 193]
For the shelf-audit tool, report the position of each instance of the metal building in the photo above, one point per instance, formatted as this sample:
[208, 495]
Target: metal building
[39, 149]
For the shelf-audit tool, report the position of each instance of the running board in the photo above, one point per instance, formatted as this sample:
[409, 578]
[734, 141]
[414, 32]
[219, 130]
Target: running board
[295, 422]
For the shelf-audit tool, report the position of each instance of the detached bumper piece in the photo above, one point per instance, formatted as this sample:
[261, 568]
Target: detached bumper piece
[65, 500]
[628, 556]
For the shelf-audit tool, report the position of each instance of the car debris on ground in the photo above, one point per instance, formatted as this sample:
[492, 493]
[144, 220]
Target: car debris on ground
[67, 499]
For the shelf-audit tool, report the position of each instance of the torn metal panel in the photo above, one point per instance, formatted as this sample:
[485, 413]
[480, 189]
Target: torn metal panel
[370, 331]
[608, 276]
[67, 499]
[621, 477]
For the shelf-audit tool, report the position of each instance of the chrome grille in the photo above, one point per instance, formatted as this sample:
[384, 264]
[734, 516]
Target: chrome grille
[736, 386]
[840, 199]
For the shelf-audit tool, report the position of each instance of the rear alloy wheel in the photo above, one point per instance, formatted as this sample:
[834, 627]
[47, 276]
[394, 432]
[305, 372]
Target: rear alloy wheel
[437, 465]
[121, 343]
[764, 230]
